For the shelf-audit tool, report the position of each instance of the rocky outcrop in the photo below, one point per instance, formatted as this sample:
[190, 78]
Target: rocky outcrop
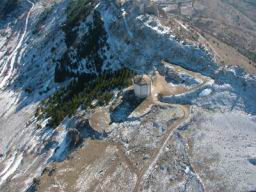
[74, 138]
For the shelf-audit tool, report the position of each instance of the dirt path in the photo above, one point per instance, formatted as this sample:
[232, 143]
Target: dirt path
[8, 98]
[156, 155]
[120, 157]
[125, 159]
[144, 174]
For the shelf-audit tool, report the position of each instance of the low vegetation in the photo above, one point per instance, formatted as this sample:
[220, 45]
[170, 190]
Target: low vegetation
[41, 20]
[249, 54]
[81, 92]
[88, 85]
[90, 46]
[77, 11]
[7, 7]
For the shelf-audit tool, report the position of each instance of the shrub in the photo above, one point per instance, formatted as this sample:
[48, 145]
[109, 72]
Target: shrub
[77, 10]
[89, 47]
[82, 91]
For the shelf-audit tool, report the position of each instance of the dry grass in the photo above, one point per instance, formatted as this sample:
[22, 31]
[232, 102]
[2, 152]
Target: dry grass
[100, 120]
[230, 56]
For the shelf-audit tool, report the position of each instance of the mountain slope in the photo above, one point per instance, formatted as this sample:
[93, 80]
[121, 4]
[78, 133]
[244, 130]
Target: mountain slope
[172, 140]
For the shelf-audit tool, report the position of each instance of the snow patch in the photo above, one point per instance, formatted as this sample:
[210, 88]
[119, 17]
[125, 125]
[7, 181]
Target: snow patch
[205, 93]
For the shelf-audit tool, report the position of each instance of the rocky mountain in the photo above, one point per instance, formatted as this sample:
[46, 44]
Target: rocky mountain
[69, 119]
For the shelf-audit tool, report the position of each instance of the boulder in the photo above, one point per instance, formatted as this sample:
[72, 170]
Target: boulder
[74, 138]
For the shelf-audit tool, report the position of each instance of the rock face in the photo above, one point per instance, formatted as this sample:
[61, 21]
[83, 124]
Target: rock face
[74, 138]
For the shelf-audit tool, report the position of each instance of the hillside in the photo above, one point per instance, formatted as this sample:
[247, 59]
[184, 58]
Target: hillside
[69, 119]
[229, 25]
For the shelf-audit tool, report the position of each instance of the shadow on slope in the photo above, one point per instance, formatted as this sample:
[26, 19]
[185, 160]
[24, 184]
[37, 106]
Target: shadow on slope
[74, 138]
[139, 53]
[129, 103]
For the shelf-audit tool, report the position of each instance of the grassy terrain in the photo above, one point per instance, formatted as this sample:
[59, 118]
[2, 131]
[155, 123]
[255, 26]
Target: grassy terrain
[249, 54]
[81, 92]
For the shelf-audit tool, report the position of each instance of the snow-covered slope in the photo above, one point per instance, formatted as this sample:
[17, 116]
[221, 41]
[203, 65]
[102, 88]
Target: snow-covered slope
[27, 72]
[35, 50]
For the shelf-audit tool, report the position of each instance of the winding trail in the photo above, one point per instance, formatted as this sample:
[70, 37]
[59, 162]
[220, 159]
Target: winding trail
[12, 168]
[8, 67]
[170, 131]
[7, 71]
[156, 155]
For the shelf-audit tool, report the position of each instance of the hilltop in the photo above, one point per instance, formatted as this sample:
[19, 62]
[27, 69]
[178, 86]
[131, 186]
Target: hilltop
[69, 119]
